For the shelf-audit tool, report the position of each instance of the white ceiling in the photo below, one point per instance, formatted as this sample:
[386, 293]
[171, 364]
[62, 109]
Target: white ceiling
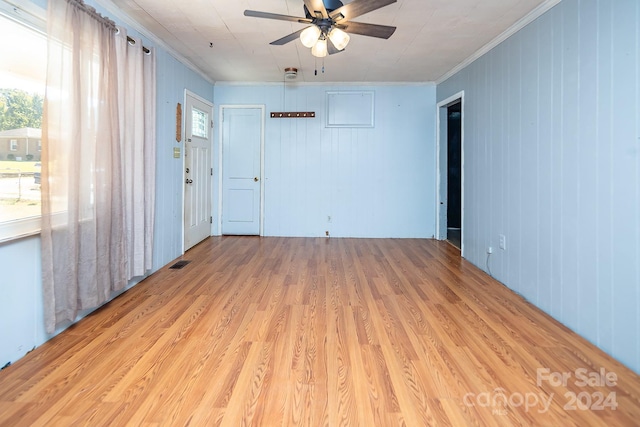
[432, 38]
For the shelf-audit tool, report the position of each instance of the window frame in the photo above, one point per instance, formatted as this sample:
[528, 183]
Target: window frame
[32, 17]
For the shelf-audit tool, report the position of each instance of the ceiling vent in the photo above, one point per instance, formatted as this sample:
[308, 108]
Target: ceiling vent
[290, 73]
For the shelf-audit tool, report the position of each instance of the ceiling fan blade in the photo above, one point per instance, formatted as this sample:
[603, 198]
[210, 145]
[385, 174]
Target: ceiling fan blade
[316, 6]
[358, 7]
[331, 48]
[289, 38]
[257, 14]
[371, 30]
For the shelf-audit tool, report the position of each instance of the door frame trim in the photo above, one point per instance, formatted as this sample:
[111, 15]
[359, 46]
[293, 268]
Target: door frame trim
[183, 135]
[440, 130]
[262, 109]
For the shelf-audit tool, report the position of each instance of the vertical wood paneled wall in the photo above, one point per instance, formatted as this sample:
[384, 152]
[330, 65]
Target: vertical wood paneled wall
[552, 161]
[372, 182]
[173, 78]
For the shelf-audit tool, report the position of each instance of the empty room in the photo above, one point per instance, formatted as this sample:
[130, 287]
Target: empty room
[320, 212]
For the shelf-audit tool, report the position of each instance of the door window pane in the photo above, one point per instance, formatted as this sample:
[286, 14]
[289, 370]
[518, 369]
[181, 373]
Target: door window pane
[199, 122]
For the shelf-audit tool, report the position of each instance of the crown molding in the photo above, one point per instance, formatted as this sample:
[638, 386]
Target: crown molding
[120, 15]
[520, 24]
[223, 83]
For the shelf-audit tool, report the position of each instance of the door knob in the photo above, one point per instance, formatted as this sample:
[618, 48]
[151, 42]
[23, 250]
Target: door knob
[255, 179]
[189, 181]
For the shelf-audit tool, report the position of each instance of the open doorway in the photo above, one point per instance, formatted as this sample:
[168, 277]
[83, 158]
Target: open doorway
[454, 174]
[450, 139]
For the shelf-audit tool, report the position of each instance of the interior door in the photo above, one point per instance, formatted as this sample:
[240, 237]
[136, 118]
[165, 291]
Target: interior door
[241, 170]
[198, 172]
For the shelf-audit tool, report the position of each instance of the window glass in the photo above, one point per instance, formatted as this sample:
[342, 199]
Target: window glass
[22, 82]
[199, 122]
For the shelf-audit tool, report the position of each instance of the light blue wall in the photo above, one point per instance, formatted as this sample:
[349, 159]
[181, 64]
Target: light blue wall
[173, 78]
[21, 305]
[552, 161]
[373, 182]
[21, 313]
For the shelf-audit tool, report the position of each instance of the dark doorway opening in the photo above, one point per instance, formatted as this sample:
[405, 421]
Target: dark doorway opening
[454, 174]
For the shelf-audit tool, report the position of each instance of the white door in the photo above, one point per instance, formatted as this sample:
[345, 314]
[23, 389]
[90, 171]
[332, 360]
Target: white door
[197, 173]
[241, 170]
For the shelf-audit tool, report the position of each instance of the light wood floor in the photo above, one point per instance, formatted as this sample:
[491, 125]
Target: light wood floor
[314, 332]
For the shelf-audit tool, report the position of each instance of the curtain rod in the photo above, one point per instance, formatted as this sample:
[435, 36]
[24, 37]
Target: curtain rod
[80, 4]
[91, 11]
[132, 41]
[144, 49]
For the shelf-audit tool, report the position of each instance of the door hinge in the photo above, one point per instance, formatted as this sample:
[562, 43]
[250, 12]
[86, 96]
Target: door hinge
[211, 171]
[210, 220]
[211, 124]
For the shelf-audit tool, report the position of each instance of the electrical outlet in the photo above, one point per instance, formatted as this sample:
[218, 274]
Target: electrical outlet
[489, 250]
[503, 242]
[326, 233]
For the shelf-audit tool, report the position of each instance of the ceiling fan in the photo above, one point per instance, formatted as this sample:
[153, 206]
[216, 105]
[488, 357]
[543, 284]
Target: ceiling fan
[331, 21]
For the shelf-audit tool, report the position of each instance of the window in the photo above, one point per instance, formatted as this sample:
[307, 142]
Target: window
[22, 83]
[199, 122]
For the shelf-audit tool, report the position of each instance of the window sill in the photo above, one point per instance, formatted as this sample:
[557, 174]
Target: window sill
[20, 228]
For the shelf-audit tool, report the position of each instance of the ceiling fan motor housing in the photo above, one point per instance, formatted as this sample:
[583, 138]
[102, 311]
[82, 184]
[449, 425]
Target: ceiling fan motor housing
[330, 5]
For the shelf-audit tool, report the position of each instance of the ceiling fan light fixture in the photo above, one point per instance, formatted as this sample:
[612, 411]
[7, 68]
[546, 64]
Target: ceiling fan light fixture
[339, 38]
[319, 49]
[310, 36]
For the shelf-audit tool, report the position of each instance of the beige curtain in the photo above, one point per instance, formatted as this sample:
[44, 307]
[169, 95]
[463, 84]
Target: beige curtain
[137, 100]
[88, 229]
[150, 86]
